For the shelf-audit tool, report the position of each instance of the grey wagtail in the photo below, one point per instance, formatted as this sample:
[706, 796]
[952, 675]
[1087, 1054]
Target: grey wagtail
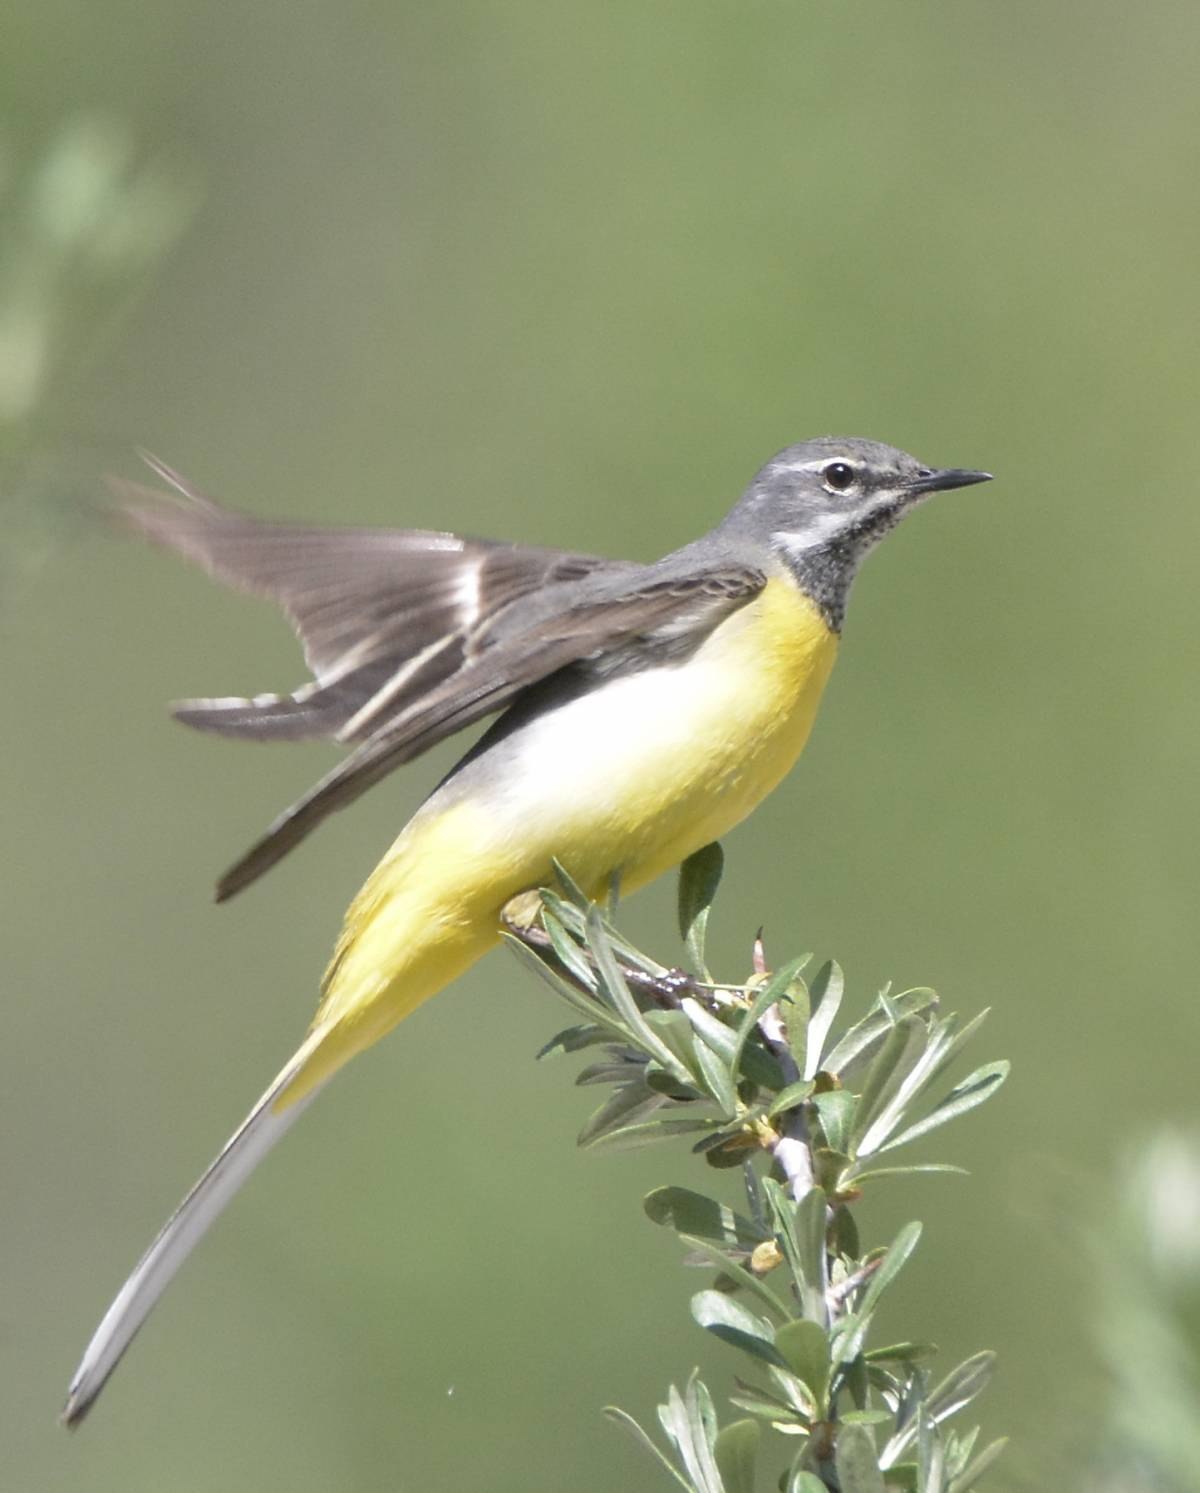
[643, 711]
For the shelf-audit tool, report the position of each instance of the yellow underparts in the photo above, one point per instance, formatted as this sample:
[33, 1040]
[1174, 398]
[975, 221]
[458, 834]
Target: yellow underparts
[634, 777]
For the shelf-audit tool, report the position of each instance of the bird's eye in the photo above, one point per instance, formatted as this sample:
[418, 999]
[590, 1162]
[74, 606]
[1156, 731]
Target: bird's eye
[838, 475]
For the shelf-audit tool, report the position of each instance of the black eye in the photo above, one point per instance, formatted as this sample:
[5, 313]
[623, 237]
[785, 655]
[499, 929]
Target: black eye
[839, 475]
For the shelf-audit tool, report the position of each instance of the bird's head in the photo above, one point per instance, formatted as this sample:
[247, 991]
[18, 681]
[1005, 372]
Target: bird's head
[839, 495]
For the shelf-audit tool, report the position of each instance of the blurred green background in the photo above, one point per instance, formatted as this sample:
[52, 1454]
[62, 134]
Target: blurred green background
[569, 273]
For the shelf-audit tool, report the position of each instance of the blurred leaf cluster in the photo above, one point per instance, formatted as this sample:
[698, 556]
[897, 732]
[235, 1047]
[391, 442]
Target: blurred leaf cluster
[84, 220]
[1147, 1320]
[757, 1077]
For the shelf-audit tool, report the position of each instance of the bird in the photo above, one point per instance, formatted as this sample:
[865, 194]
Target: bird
[640, 712]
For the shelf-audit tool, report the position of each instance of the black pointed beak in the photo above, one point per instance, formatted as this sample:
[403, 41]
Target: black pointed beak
[943, 479]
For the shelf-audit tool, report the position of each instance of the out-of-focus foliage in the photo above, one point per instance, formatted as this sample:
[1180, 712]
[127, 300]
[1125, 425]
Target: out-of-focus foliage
[1147, 1320]
[84, 222]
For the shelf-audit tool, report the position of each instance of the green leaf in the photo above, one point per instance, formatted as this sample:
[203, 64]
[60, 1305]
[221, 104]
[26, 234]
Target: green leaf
[855, 1178]
[737, 1273]
[630, 1136]
[942, 1046]
[861, 1041]
[776, 990]
[717, 1080]
[628, 1105]
[595, 1011]
[574, 1039]
[835, 1111]
[901, 1353]
[732, 1323]
[974, 1090]
[901, 1050]
[805, 1348]
[623, 1001]
[716, 1036]
[626, 1421]
[734, 1450]
[931, 1455]
[800, 1228]
[825, 995]
[675, 1030]
[795, 1094]
[971, 1474]
[800, 1481]
[894, 1261]
[566, 950]
[689, 1424]
[700, 1217]
[961, 1385]
[856, 1462]
[699, 878]
[571, 889]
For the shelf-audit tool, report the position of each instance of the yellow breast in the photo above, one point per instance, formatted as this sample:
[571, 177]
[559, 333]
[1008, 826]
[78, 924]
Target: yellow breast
[633, 776]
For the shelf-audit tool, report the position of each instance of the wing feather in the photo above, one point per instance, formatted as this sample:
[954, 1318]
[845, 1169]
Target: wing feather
[412, 635]
[382, 614]
[659, 610]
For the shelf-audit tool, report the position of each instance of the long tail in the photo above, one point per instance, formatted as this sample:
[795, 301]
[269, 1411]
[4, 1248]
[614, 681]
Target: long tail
[248, 1145]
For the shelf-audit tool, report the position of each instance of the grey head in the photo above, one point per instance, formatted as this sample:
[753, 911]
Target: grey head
[820, 506]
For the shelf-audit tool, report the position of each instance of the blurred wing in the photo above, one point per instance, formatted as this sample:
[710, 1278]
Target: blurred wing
[384, 615]
[659, 616]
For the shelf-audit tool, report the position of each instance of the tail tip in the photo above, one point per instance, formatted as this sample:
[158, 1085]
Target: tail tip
[75, 1409]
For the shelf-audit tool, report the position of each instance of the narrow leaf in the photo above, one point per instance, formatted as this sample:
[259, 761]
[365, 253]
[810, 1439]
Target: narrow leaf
[775, 991]
[573, 1039]
[855, 1460]
[901, 1353]
[594, 1010]
[855, 1178]
[825, 994]
[805, 1347]
[737, 1273]
[699, 878]
[715, 1035]
[795, 1094]
[836, 1110]
[700, 1217]
[800, 1481]
[894, 1261]
[732, 1323]
[624, 1106]
[971, 1474]
[717, 1080]
[961, 1385]
[865, 1036]
[901, 1049]
[802, 1230]
[632, 1136]
[969, 1094]
[623, 1001]
[622, 1418]
[734, 1450]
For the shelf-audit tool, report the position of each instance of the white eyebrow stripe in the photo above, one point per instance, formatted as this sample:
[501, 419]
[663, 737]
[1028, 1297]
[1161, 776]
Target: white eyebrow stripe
[818, 465]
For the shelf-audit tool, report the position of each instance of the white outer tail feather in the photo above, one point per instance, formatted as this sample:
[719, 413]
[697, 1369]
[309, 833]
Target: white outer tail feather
[247, 1146]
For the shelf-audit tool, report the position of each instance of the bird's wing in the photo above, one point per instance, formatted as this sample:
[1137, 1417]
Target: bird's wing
[661, 613]
[384, 615]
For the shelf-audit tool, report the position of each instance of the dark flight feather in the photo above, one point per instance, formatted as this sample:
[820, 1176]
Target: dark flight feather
[412, 635]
